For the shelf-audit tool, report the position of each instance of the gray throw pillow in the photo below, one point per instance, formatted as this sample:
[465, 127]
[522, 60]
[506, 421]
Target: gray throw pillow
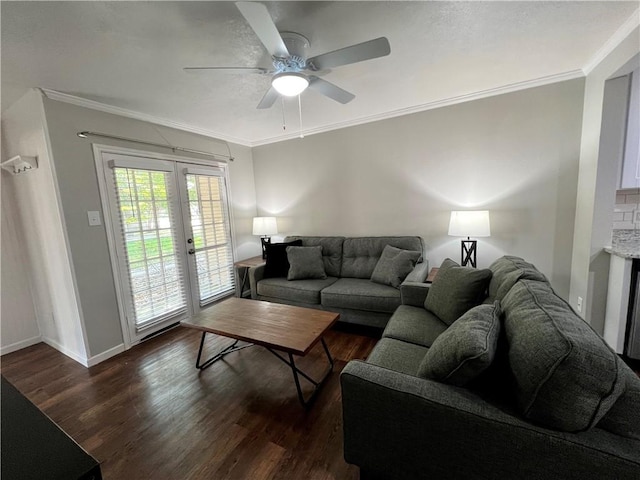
[305, 263]
[394, 265]
[456, 290]
[466, 349]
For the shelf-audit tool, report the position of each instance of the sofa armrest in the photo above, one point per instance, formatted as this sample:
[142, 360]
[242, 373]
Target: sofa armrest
[413, 293]
[419, 273]
[413, 290]
[397, 426]
[255, 275]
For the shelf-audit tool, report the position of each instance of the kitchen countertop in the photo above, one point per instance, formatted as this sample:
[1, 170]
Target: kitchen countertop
[625, 244]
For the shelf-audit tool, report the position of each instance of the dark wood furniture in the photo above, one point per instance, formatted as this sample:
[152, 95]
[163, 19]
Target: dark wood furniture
[33, 447]
[277, 327]
[244, 266]
[432, 275]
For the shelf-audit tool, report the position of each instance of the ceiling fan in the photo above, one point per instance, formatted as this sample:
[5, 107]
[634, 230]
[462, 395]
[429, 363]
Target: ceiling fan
[292, 72]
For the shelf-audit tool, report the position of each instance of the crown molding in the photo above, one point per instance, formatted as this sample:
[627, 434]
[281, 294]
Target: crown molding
[616, 39]
[123, 112]
[491, 92]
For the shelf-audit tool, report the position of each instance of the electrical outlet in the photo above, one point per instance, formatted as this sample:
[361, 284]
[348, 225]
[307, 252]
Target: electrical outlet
[579, 304]
[94, 218]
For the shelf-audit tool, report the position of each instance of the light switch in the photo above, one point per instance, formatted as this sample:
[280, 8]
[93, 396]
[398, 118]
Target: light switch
[94, 218]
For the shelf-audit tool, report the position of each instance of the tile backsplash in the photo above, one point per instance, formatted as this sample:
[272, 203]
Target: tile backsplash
[626, 214]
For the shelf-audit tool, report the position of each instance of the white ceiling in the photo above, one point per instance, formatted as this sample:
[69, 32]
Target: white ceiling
[130, 55]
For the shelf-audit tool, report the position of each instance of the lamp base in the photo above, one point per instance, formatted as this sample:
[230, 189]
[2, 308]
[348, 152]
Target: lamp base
[264, 241]
[468, 252]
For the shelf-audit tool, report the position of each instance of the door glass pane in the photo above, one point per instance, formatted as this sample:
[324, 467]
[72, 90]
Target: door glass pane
[149, 234]
[211, 236]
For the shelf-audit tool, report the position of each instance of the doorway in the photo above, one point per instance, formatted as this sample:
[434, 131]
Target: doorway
[169, 230]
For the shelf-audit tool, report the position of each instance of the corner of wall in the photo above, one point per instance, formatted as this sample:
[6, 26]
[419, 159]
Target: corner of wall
[583, 251]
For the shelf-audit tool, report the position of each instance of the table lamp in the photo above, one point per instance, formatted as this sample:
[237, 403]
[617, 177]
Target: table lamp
[469, 224]
[265, 227]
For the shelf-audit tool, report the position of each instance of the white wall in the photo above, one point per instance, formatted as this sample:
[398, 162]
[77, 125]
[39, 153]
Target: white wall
[79, 193]
[39, 240]
[514, 154]
[612, 138]
[18, 322]
[592, 187]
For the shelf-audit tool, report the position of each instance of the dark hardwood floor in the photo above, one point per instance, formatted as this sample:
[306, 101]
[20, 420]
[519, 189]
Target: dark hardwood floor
[150, 414]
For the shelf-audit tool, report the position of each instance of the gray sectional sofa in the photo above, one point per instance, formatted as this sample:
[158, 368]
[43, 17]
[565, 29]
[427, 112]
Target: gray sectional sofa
[349, 263]
[551, 401]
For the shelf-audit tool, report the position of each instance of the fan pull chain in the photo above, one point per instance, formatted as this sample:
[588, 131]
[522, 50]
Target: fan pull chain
[284, 123]
[300, 114]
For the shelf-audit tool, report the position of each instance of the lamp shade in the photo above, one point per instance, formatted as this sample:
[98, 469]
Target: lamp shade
[265, 226]
[469, 224]
[290, 84]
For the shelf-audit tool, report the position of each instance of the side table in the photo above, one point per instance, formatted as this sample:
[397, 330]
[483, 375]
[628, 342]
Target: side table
[245, 265]
[432, 275]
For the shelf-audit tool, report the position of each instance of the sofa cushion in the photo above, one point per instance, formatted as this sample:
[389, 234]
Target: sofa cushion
[455, 290]
[303, 291]
[414, 325]
[466, 349]
[507, 271]
[360, 255]
[276, 264]
[394, 265]
[566, 375]
[624, 416]
[305, 263]
[398, 356]
[359, 294]
[331, 251]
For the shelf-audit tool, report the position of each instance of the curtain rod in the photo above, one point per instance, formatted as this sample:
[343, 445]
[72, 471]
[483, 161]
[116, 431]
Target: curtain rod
[86, 134]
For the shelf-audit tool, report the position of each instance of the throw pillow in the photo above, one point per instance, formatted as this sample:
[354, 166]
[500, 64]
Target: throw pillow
[394, 265]
[455, 290]
[277, 264]
[466, 349]
[305, 262]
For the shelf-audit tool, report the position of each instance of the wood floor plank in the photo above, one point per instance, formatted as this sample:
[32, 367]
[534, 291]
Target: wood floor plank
[149, 413]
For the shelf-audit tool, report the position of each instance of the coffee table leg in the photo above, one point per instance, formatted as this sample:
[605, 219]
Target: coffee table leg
[231, 348]
[296, 371]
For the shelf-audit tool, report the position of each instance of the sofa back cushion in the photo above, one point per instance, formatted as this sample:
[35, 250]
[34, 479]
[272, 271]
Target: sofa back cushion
[361, 254]
[455, 290]
[624, 416]
[507, 271]
[566, 377]
[331, 251]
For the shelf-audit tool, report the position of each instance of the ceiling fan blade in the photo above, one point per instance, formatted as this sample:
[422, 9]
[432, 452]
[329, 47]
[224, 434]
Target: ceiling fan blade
[269, 98]
[257, 15]
[355, 53]
[330, 90]
[234, 70]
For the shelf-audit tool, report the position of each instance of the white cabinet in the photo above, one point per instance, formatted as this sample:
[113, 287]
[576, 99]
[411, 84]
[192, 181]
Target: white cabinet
[615, 321]
[630, 172]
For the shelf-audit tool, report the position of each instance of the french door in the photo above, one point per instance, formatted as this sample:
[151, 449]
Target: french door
[170, 233]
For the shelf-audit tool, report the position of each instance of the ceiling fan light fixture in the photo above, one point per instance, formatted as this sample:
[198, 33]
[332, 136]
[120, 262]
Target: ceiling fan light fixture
[290, 84]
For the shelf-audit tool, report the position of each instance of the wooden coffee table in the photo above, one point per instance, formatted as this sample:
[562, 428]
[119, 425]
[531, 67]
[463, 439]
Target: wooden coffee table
[288, 329]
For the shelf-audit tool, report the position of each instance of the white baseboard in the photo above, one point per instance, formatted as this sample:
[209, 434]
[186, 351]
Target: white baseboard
[73, 355]
[20, 345]
[101, 357]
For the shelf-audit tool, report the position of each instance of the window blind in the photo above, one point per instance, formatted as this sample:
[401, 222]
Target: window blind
[146, 199]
